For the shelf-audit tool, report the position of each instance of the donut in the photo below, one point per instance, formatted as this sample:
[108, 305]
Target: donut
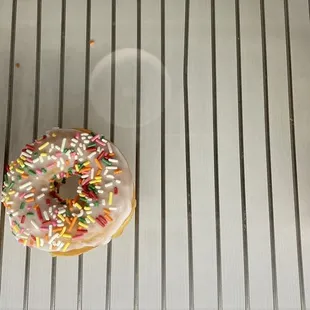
[100, 206]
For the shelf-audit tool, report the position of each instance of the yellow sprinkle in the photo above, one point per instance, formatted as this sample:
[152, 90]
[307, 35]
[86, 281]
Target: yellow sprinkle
[64, 249]
[87, 208]
[61, 217]
[98, 178]
[76, 167]
[83, 225]
[68, 236]
[38, 242]
[43, 146]
[11, 193]
[23, 158]
[19, 171]
[63, 231]
[54, 135]
[25, 242]
[15, 228]
[43, 154]
[110, 198]
[94, 181]
[20, 162]
[78, 205]
[86, 163]
[91, 218]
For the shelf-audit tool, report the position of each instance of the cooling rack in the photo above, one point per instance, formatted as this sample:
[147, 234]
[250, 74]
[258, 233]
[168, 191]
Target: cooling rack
[209, 102]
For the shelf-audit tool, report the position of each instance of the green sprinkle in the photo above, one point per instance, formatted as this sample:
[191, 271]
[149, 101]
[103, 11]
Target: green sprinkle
[83, 199]
[43, 170]
[22, 205]
[106, 162]
[90, 145]
[81, 219]
[31, 172]
[30, 213]
[19, 177]
[96, 203]
[6, 179]
[11, 184]
[92, 187]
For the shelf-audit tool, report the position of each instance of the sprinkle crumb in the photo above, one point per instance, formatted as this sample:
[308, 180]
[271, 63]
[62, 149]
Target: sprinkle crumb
[17, 65]
[92, 42]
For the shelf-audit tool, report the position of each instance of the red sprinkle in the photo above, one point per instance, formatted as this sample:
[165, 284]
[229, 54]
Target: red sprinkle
[99, 222]
[115, 190]
[39, 214]
[23, 219]
[91, 149]
[30, 147]
[103, 220]
[101, 155]
[46, 223]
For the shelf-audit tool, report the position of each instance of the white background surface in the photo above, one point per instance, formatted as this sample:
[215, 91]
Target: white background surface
[201, 148]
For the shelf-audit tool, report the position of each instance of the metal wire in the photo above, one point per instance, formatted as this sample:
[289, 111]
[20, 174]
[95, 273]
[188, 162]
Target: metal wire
[137, 176]
[8, 125]
[293, 155]
[60, 124]
[112, 136]
[85, 124]
[34, 135]
[241, 162]
[188, 160]
[163, 157]
[216, 161]
[268, 159]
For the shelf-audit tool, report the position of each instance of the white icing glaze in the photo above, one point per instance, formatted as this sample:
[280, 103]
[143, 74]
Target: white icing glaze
[31, 221]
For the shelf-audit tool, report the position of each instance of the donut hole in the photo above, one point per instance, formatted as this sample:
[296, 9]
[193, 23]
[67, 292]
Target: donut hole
[68, 189]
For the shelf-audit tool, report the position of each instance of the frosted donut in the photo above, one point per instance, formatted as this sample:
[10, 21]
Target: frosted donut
[103, 204]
